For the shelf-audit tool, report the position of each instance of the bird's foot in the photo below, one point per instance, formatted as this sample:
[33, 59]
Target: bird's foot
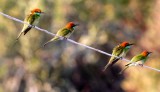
[33, 26]
[140, 65]
[120, 58]
[65, 38]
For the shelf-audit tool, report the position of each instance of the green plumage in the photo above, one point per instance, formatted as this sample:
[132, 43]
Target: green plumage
[65, 32]
[116, 52]
[138, 58]
[134, 61]
[119, 51]
[30, 19]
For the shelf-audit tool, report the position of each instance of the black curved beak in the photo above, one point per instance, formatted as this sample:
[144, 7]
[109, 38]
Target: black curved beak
[149, 52]
[42, 12]
[76, 25]
[131, 44]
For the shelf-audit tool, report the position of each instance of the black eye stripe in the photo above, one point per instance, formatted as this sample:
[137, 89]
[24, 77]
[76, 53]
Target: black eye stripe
[38, 12]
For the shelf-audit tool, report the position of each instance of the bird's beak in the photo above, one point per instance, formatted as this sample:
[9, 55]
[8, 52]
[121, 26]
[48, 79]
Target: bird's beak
[42, 12]
[132, 44]
[149, 52]
[76, 25]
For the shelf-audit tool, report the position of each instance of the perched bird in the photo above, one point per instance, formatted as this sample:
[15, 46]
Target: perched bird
[119, 51]
[138, 59]
[31, 19]
[64, 32]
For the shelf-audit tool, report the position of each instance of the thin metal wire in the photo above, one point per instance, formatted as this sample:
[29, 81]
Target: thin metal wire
[97, 50]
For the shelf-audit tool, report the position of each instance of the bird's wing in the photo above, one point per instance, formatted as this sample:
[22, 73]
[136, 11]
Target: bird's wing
[63, 32]
[136, 59]
[30, 19]
[116, 52]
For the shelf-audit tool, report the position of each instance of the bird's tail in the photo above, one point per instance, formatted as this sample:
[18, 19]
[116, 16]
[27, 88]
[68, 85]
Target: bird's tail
[126, 66]
[27, 30]
[24, 30]
[123, 70]
[19, 35]
[54, 39]
[110, 64]
[36, 50]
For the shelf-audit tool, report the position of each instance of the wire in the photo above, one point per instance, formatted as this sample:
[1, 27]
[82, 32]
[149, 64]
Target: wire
[72, 41]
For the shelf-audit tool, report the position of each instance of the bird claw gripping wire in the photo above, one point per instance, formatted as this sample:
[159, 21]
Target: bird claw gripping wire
[32, 26]
[120, 58]
[64, 38]
[140, 65]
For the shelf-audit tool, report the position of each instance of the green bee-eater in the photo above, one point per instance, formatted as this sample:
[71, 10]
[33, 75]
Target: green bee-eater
[119, 51]
[64, 32]
[138, 59]
[31, 19]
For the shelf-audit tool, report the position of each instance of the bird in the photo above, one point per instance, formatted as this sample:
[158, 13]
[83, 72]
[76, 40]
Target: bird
[138, 59]
[64, 32]
[31, 19]
[120, 51]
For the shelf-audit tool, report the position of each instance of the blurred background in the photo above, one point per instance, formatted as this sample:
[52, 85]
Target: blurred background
[65, 67]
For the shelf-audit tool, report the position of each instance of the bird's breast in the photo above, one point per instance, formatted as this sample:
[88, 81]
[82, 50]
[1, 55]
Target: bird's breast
[123, 54]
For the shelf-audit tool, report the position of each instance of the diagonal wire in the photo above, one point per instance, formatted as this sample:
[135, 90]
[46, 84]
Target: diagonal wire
[72, 41]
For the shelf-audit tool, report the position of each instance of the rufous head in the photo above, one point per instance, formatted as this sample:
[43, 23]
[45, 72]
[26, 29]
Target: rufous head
[71, 25]
[146, 53]
[125, 44]
[36, 11]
